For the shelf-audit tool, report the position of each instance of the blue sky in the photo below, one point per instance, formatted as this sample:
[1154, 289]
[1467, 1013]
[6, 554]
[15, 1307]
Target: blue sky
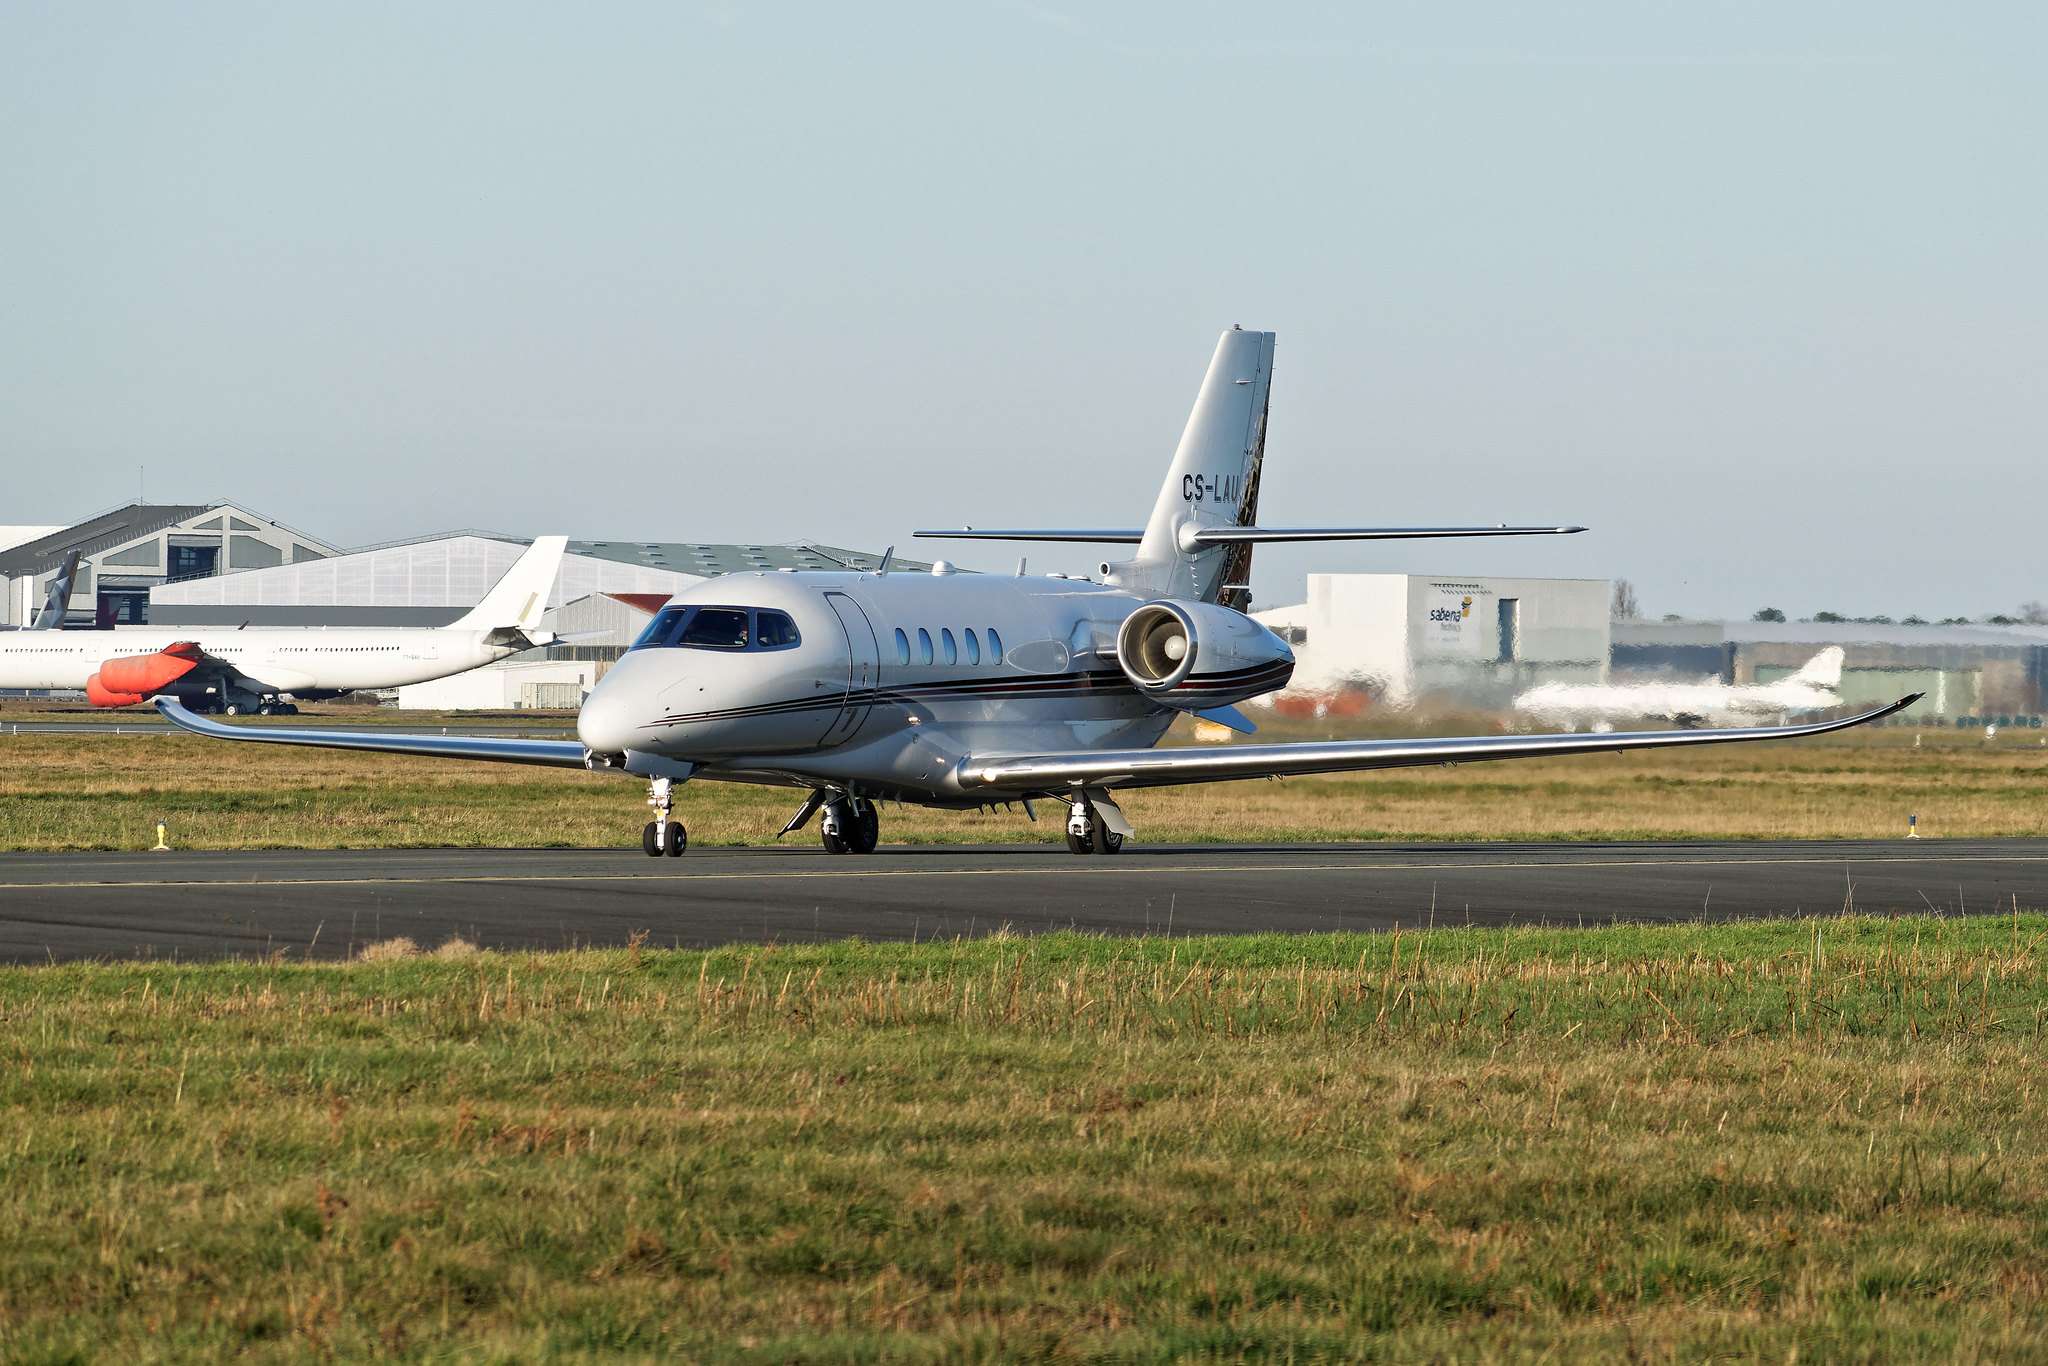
[1756, 291]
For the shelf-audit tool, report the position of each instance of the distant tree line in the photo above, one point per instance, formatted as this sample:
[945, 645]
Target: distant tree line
[2030, 614]
[1627, 607]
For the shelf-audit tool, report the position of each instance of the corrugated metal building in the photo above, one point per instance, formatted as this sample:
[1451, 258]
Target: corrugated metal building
[432, 580]
[130, 552]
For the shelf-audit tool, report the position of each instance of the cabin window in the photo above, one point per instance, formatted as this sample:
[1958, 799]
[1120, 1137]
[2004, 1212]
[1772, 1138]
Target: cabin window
[924, 646]
[995, 646]
[902, 647]
[973, 647]
[946, 643]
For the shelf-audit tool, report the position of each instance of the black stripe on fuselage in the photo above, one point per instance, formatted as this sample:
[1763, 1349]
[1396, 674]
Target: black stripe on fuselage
[1110, 681]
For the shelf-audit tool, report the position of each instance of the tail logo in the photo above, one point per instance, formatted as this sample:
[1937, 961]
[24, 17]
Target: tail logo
[1213, 488]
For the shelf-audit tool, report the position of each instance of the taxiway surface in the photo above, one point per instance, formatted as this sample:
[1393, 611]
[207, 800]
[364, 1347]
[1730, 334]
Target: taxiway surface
[326, 904]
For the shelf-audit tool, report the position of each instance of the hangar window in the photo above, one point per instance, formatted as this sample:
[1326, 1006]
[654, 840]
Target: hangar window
[902, 647]
[924, 646]
[995, 646]
[946, 642]
[973, 647]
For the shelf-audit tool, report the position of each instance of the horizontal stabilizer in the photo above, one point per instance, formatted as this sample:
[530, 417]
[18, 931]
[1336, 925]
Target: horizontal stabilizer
[1234, 535]
[1126, 536]
[1194, 537]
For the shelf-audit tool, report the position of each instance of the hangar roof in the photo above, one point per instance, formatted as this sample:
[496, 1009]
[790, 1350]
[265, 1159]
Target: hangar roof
[89, 537]
[704, 558]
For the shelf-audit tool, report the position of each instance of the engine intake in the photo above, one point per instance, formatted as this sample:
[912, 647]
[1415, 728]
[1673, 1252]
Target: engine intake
[1194, 655]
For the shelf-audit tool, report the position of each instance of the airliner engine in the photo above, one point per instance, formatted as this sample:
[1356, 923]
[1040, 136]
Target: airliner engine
[125, 681]
[1192, 655]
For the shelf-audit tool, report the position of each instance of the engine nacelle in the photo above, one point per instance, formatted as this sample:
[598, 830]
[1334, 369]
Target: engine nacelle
[1194, 655]
[125, 681]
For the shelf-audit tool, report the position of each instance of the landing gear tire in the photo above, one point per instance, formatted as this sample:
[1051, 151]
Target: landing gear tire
[1106, 840]
[677, 840]
[850, 827]
[231, 709]
[650, 840]
[1079, 844]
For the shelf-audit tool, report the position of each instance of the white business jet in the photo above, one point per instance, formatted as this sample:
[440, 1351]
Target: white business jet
[965, 690]
[1810, 689]
[223, 669]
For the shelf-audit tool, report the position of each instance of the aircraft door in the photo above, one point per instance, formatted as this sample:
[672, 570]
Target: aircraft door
[864, 669]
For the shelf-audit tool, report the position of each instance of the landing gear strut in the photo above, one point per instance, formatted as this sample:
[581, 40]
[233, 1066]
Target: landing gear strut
[663, 834]
[1087, 832]
[851, 825]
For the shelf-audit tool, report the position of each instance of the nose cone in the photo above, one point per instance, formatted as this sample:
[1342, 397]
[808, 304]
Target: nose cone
[617, 710]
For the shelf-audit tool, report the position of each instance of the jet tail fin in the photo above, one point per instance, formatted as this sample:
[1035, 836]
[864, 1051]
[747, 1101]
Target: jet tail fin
[59, 600]
[515, 602]
[1824, 670]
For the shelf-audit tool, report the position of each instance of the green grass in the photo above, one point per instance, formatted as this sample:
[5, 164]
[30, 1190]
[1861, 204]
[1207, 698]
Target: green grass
[107, 792]
[1823, 1138]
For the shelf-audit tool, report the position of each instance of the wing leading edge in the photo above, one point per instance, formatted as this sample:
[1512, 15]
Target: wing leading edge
[555, 753]
[1172, 767]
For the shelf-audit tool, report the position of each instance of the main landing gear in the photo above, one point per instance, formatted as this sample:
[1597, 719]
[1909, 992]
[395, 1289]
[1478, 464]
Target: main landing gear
[1088, 832]
[663, 835]
[850, 825]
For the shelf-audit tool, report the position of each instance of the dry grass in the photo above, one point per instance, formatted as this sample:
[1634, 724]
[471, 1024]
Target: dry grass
[1757, 1141]
[62, 792]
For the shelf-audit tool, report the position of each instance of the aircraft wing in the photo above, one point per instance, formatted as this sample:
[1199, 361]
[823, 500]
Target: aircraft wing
[1125, 768]
[557, 753]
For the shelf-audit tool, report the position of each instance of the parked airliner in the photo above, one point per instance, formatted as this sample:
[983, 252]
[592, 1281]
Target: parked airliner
[966, 690]
[223, 669]
[1810, 689]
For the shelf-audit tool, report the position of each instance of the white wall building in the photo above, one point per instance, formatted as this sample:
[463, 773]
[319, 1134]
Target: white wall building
[513, 685]
[1472, 640]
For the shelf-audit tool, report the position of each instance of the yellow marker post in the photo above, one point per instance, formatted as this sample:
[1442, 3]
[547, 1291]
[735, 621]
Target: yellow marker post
[160, 847]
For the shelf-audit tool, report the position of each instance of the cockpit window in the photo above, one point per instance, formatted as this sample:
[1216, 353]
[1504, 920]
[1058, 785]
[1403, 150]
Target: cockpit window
[663, 628]
[720, 628]
[773, 630]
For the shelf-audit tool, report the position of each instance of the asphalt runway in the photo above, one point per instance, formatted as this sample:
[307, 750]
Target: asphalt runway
[327, 904]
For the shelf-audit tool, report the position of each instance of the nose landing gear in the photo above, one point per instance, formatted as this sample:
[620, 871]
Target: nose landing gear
[851, 825]
[663, 835]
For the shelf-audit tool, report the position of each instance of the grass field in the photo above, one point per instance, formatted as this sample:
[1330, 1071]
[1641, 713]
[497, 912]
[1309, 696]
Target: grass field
[71, 792]
[1821, 1139]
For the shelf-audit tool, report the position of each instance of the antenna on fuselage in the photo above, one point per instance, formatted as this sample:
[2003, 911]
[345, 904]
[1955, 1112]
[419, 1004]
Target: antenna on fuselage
[1021, 562]
[883, 567]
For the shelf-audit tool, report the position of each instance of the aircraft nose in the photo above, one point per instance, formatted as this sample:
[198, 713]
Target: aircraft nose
[607, 721]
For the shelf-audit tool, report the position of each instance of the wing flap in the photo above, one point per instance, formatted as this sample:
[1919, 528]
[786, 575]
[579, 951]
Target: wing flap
[1171, 767]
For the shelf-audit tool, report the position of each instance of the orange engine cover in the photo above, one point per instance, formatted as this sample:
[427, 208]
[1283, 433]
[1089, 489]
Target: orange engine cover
[124, 682]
